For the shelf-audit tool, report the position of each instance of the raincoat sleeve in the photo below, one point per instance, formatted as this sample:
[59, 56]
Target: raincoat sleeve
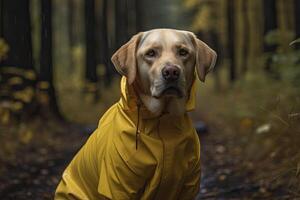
[79, 177]
[192, 184]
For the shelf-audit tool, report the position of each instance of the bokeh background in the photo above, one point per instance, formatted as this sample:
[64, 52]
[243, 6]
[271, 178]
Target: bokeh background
[56, 80]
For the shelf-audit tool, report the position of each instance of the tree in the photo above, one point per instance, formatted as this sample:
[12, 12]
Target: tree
[231, 39]
[90, 41]
[270, 21]
[270, 24]
[71, 23]
[46, 65]
[71, 32]
[245, 36]
[297, 20]
[18, 77]
[121, 23]
[103, 48]
[1, 17]
[16, 31]
[138, 15]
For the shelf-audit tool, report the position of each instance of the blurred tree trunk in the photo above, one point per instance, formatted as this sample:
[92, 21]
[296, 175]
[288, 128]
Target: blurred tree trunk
[255, 34]
[242, 42]
[1, 17]
[17, 75]
[297, 21]
[71, 33]
[16, 30]
[245, 7]
[121, 24]
[90, 41]
[270, 21]
[132, 17]
[106, 68]
[231, 39]
[285, 23]
[138, 15]
[45, 85]
[71, 17]
[270, 24]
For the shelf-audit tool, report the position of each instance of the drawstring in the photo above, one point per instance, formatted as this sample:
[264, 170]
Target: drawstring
[137, 126]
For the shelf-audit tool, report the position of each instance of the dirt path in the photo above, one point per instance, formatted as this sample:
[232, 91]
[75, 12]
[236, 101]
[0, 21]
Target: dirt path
[38, 167]
[226, 174]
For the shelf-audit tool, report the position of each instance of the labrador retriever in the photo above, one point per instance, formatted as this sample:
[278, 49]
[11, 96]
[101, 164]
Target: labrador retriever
[145, 146]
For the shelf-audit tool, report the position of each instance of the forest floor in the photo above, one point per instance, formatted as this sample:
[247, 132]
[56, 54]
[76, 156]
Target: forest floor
[228, 174]
[34, 170]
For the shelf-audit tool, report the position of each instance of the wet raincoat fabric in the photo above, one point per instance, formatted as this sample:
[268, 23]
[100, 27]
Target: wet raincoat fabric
[165, 165]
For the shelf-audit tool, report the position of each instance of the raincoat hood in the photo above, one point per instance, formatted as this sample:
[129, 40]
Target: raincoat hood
[166, 164]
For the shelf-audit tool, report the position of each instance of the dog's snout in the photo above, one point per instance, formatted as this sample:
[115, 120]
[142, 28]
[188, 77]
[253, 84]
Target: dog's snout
[170, 72]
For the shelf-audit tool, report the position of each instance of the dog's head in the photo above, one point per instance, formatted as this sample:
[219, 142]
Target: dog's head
[163, 61]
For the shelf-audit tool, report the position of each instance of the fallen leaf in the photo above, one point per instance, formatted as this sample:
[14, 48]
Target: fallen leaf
[263, 129]
[220, 149]
[222, 177]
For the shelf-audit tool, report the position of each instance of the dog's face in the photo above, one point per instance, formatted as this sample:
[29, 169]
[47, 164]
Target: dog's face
[162, 62]
[165, 63]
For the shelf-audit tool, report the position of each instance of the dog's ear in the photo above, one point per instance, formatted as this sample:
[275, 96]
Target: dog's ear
[205, 58]
[124, 59]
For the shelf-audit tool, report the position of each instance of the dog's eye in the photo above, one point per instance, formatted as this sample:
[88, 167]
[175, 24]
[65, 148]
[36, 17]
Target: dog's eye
[150, 53]
[183, 52]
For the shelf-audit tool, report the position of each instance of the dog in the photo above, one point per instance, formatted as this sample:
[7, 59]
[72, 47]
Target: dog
[145, 146]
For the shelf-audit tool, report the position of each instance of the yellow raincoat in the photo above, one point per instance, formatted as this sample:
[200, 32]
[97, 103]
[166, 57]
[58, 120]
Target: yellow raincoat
[165, 165]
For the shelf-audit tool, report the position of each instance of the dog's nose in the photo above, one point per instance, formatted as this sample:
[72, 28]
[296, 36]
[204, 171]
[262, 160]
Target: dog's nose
[170, 72]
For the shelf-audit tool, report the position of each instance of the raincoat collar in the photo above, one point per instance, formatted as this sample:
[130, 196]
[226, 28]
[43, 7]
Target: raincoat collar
[130, 101]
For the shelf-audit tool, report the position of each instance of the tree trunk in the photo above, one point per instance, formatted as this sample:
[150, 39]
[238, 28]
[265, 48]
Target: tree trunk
[245, 36]
[297, 21]
[16, 30]
[45, 85]
[132, 17]
[90, 41]
[71, 23]
[138, 15]
[91, 72]
[1, 17]
[270, 21]
[104, 52]
[270, 24]
[231, 39]
[121, 24]
[71, 33]
[18, 77]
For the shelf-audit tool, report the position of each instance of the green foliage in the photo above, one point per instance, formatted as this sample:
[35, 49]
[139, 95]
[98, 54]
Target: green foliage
[285, 63]
[274, 37]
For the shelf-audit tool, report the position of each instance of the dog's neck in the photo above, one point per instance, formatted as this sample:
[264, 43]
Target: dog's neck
[159, 106]
[173, 106]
